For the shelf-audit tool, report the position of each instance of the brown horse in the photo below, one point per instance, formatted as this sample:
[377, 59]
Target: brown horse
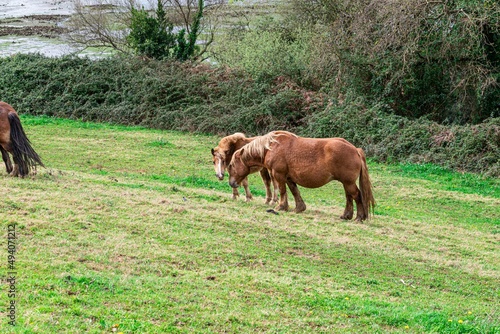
[223, 153]
[310, 163]
[13, 140]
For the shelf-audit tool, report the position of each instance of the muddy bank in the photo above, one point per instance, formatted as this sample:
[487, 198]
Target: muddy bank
[34, 25]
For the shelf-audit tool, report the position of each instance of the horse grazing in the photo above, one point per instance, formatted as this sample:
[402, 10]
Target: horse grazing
[13, 140]
[310, 163]
[222, 154]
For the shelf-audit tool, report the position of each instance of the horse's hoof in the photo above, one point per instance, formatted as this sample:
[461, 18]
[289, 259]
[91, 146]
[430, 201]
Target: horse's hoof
[300, 209]
[281, 208]
[270, 201]
[346, 217]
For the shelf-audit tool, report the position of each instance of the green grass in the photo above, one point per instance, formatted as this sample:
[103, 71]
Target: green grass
[448, 180]
[128, 227]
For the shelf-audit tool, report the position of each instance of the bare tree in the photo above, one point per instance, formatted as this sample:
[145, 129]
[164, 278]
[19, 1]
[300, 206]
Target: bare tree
[105, 23]
[182, 14]
[101, 23]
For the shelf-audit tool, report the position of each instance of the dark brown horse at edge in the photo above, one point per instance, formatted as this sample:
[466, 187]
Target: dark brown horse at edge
[221, 156]
[308, 162]
[13, 140]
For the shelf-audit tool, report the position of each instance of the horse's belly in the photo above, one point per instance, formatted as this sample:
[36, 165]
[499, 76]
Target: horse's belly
[311, 180]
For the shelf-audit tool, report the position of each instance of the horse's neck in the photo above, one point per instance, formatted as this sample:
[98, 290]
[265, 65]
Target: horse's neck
[243, 141]
[236, 145]
[255, 161]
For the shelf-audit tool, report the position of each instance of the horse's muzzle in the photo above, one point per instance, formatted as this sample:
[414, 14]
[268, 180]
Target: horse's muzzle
[234, 184]
[220, 176]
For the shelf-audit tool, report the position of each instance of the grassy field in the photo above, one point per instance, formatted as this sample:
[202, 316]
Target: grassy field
[128, 230]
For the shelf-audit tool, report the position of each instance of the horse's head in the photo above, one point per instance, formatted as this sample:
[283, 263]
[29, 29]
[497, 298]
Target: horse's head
[219, 160]
[237, 169]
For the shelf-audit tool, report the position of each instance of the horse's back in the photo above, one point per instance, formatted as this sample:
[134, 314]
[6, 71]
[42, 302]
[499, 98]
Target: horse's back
[335, 153]
[338, 148]
[5, 110]
[313, 162]
[5, 107]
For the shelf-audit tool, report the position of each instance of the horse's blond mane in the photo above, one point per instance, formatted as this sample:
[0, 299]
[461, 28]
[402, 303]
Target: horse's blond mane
[257, 148]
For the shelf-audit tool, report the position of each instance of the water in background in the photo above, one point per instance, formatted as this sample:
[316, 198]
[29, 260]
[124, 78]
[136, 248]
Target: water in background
[53, 47]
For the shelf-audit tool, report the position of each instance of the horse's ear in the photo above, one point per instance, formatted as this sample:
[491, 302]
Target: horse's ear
[213, 152]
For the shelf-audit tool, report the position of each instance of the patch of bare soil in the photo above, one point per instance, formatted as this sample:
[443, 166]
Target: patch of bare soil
[48, 18]
[32, 31]
[33, 25]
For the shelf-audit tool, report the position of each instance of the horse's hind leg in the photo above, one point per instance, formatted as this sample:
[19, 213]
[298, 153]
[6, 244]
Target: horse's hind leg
[352, 193]
[15, 170]
[299, 202]
[349, 207]
[248, 194]
[6, 160]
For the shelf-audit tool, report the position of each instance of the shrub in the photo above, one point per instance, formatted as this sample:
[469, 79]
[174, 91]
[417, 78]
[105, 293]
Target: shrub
[388, 137]
[173, 95]
[267, 51]
[439, 59]
[151, 36]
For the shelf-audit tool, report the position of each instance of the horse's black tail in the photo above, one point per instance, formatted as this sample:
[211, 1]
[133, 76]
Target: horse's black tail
[24, 155]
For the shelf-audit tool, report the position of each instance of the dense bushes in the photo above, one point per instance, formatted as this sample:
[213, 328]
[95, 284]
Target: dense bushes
[170, 95]
[150, 93]
[438, 59]
[390, 137]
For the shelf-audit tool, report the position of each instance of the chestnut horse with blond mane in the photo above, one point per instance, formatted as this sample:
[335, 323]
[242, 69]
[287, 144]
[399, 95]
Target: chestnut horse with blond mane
[13, 140]
[310, 163]
[221, 156]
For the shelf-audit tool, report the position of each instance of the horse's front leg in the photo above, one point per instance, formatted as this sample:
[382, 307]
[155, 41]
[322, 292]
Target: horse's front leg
[248, 194]
[266, 178]
[6, 160]
[299, 202]
[236, 194]
[275, 191]
[283, 203]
